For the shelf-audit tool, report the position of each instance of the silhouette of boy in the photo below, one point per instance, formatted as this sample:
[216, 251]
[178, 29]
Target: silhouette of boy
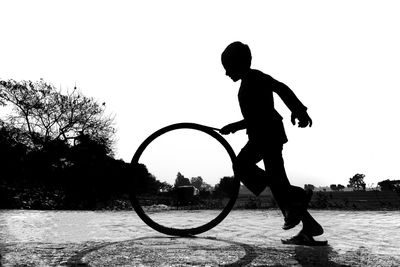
[266, 136]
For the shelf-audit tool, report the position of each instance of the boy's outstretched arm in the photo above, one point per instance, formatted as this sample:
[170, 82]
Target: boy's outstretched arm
[299, 111]
[233, 127]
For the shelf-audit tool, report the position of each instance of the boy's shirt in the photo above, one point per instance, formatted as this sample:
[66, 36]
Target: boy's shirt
[263, 122]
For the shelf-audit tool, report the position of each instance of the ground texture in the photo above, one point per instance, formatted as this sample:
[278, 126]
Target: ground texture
[242, 239]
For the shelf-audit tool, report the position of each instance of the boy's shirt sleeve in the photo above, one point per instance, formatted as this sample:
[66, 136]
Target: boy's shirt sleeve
[288, 97]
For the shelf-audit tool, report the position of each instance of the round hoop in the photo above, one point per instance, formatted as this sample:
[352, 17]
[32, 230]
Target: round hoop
[196, 230]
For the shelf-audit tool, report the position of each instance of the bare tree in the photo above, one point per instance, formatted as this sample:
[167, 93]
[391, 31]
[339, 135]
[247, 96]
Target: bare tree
[47, 114]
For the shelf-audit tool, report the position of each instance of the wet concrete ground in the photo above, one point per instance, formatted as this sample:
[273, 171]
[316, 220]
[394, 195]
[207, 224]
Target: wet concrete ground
[249, 238]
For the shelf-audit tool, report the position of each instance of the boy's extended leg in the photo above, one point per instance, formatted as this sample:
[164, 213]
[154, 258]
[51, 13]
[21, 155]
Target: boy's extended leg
[292, 200]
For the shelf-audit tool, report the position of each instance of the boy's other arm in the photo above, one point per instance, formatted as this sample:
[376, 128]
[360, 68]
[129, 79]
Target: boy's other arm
[233, 127]
[299, 111]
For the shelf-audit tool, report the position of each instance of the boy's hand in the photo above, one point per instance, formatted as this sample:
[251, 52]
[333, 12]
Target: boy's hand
[227, 129]
[304, 119]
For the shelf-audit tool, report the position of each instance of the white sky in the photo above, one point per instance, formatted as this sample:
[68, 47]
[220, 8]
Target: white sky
[158, 62]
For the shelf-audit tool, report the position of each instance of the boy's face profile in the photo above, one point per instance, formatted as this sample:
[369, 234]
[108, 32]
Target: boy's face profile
[236, 60]
[232, 72]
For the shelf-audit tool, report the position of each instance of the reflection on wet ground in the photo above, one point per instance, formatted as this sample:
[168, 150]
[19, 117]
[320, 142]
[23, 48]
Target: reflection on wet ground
[244, 238]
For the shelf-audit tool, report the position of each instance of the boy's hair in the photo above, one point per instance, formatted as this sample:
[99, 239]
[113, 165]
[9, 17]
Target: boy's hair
[237, 54]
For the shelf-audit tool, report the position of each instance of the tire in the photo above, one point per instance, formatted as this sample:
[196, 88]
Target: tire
[188, 231]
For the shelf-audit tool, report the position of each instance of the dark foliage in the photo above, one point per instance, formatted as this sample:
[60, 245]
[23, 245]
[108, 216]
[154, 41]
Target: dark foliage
[60, 176]
[390, 185]
[56, 151]
[224, 187]
[309, 187]
[338, 187]
[181, 180]
[357, 182]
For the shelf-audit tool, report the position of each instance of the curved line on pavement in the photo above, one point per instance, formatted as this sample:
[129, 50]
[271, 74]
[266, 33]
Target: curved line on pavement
[249, 256]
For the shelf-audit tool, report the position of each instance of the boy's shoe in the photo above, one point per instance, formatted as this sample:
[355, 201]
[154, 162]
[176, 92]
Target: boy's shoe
[304, 240]
[295, 213]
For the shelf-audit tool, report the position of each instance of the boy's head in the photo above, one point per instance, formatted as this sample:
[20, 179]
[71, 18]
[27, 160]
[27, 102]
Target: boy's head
[236, 60]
